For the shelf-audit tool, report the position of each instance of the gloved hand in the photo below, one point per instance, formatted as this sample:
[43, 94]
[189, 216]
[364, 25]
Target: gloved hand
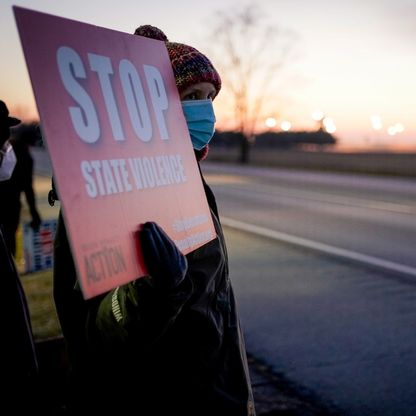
[165, 263]
[52, 195]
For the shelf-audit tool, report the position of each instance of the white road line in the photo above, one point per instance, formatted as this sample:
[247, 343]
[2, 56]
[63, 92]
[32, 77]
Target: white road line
[315, 245]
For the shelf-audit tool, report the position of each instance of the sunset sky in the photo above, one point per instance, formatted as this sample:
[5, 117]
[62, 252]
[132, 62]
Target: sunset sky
[355, 59]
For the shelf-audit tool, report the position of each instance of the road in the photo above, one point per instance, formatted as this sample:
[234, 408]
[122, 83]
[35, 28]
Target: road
[338, 324]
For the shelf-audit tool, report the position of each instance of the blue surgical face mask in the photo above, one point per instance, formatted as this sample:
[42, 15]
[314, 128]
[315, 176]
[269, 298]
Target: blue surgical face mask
[200, 117]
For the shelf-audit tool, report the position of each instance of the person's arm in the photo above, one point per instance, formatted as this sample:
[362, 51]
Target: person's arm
[143, 310]
[30, 194]
[138, 312]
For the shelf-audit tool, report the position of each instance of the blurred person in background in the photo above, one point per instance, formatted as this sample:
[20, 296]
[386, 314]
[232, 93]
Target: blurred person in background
[20, 365]
[169, 343]
[20, 181]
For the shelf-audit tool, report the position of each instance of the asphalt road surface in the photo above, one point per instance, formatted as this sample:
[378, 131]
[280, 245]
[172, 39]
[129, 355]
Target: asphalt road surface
[323, 266]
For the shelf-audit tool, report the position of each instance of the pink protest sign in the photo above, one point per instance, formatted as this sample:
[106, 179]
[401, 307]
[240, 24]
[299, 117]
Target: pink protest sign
[118, 141]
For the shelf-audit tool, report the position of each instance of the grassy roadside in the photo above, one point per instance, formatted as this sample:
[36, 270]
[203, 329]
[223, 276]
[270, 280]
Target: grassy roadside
[38, 289]
[38, 286]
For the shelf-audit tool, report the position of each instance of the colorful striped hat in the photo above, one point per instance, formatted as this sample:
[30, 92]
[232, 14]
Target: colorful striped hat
[189, 65]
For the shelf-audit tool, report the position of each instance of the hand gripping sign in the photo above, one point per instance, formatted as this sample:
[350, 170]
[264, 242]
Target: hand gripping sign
[118, 141]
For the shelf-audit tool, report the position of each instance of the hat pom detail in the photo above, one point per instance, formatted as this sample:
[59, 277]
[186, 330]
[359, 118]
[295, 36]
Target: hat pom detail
[152, 32]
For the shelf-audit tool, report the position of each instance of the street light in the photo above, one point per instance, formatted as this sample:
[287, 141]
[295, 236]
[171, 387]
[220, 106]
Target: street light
[285, 125]
[376, 122]
[270, 122]
[329, 125]
[318, 116]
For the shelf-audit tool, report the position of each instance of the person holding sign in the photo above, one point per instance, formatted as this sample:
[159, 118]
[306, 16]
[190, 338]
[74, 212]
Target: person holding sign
[169, 343]
[20, 181]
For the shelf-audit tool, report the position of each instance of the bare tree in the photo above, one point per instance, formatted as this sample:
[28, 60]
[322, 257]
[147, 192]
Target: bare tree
[250, 55]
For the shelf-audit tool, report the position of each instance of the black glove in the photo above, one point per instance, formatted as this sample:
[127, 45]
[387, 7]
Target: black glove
[165, 263]
[52, 195]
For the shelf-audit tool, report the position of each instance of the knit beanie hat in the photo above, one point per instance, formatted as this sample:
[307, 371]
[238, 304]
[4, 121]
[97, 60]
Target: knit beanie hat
[189, 65]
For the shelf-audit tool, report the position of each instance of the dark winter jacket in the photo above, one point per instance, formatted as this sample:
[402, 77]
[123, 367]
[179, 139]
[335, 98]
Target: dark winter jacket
[20, 366]
[143, 351]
